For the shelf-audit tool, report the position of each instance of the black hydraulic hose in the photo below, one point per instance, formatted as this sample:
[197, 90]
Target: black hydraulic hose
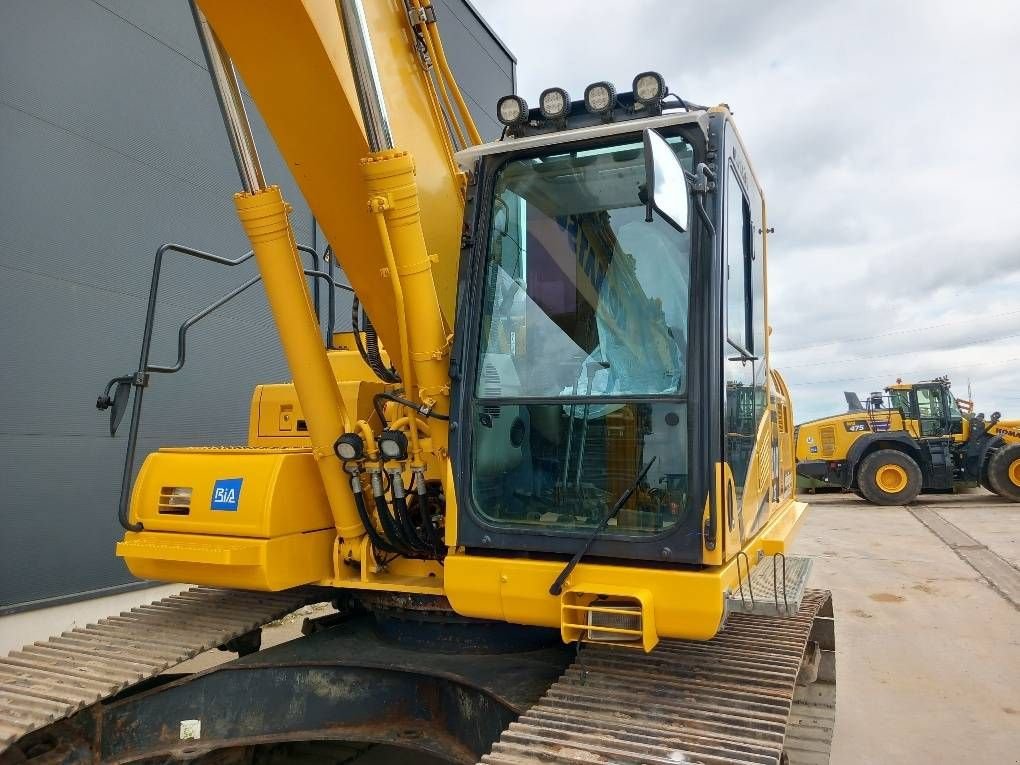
[421, 409]
[356, 328]
[369, 347]
[372, 345]
[410, 532]
[426, 518]
[394, 533]
[366, 520]
[391, 530]
[400, 508]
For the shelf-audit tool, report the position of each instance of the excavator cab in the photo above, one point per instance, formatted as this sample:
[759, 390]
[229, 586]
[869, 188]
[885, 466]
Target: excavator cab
[577, 364]
[589, 338]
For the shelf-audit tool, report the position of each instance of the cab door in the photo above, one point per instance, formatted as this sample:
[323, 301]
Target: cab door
[930, 411]
[935, 429]
[745, 365]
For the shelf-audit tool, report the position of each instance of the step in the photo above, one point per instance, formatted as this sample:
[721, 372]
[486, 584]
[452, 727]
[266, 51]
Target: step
[763, 595]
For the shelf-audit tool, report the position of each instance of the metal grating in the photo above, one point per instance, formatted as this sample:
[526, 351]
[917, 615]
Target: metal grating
[775, 587]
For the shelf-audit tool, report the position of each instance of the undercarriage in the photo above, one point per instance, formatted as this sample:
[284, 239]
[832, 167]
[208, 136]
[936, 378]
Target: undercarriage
[410, 673]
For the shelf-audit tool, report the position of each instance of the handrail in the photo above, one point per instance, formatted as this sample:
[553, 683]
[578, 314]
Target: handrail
[140, 378]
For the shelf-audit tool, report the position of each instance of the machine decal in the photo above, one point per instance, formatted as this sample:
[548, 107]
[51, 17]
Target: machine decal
[226, 494]
[856, 426]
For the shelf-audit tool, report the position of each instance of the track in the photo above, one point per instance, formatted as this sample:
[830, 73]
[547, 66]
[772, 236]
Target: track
[762, 691]
[50, 680]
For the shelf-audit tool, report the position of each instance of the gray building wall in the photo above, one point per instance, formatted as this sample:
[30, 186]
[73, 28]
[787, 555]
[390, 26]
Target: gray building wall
[110, 144]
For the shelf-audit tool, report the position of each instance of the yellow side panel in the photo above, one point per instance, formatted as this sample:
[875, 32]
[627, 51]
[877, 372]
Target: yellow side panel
[292, 58]
[247, 564]
[280, 493]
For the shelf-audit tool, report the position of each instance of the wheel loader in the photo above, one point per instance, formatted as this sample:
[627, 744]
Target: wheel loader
[912, 438]
[545, 480]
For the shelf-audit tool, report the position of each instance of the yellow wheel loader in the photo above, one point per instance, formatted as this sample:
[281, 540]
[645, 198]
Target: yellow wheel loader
[911, 439]
[549, 489]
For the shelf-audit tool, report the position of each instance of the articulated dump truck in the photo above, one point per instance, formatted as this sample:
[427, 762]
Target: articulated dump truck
[548, 487]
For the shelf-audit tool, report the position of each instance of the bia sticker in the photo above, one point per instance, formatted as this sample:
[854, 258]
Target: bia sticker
[226, 494]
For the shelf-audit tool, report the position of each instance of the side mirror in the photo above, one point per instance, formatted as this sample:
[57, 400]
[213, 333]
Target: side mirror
[667, 190]
[117, 403]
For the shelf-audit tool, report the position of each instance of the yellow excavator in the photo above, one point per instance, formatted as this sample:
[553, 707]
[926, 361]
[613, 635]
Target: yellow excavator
[913, 438]
[548, 485]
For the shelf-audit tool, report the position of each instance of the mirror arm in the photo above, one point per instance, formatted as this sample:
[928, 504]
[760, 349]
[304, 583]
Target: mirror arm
[703, 179]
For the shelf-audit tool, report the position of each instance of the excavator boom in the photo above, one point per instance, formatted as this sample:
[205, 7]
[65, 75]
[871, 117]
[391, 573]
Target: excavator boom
[570, 456]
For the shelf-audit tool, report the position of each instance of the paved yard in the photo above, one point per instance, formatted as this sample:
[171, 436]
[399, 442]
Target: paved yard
[928, 650]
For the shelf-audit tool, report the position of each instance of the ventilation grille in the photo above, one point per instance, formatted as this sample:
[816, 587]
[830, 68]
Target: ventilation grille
[764, 469]
[175, 500]
[828, 434]
[614, 621]
[781, 419]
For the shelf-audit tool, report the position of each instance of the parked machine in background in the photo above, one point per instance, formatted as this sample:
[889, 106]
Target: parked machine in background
[562, 429]
[911, 439]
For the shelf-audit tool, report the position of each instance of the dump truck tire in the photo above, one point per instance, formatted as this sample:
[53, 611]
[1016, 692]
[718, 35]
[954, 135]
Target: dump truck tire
[1004, 472]
[889, 477]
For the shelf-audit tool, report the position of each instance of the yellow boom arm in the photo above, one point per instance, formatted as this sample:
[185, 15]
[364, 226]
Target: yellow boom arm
[294, 61]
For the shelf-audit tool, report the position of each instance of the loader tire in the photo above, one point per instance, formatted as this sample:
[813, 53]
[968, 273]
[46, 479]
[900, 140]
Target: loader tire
[1004, 472]
[889, 477]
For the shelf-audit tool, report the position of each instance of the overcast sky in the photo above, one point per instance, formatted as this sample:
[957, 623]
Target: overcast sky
[886, 137]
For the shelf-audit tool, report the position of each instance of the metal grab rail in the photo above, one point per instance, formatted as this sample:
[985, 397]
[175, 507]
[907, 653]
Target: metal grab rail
[140, 378]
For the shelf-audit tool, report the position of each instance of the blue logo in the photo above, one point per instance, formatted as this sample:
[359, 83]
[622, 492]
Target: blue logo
[226, 494]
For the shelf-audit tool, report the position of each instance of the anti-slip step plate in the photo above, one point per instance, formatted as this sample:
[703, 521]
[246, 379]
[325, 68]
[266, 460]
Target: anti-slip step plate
[775, 587]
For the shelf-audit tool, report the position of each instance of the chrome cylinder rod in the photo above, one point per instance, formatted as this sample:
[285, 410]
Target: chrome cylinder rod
[366, 76]
[228, 94]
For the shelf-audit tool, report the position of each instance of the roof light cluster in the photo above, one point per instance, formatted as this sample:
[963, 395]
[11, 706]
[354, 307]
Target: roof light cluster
[600, 98]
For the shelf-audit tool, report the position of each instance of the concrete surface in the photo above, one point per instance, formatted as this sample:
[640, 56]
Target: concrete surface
[928, 651]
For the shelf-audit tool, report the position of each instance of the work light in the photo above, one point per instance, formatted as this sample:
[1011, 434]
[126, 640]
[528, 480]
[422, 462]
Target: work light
[349, 446]
[600, 97]
[512, 110]
[393, 444]
[554, 103]
[649, 87]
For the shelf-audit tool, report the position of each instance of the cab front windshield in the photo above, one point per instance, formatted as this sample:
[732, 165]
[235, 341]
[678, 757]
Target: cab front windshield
[583, 350]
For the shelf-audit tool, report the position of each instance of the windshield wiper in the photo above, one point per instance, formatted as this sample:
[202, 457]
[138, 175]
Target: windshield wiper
[557, 586]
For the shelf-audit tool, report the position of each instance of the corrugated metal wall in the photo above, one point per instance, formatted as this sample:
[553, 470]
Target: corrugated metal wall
[110, 144]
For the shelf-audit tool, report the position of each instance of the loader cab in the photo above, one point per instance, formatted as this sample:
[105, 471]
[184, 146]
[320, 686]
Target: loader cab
[935, 411]
[596, 337]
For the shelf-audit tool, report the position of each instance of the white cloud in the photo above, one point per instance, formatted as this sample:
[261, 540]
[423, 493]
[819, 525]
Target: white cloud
[884, 134]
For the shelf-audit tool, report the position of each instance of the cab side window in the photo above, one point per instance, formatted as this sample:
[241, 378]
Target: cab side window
[739, 306]
[739, 362]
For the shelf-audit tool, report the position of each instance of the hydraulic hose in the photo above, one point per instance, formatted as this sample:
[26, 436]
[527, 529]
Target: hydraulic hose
[393, 532]
[419, 408]
[373, 534]
[404, 516]
[369, 347]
